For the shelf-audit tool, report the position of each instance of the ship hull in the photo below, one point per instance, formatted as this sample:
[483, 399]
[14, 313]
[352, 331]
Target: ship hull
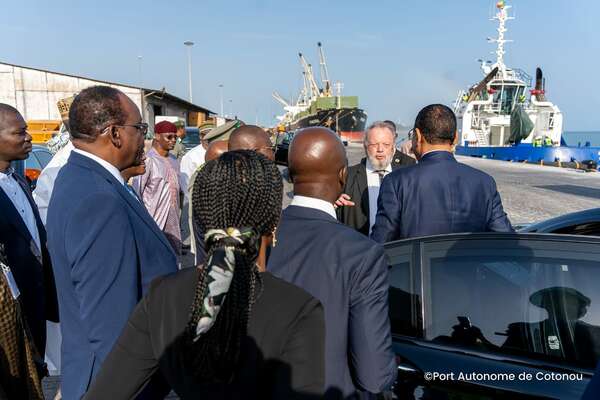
[349, 123]
[564, 156]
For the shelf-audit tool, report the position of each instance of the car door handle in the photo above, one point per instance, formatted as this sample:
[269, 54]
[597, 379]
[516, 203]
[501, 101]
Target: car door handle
[408, 370]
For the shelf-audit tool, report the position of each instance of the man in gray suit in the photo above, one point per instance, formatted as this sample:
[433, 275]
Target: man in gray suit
[342, 268]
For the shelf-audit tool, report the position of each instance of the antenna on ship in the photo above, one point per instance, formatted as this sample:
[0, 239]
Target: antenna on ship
[324, 73]
[502, 17]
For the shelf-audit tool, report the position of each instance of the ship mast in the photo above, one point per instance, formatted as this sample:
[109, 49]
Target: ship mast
[501, 17]
[324, 72]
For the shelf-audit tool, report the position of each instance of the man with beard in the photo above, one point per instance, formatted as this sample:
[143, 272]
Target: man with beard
[364, 179]
[159, 187]
[105, 247]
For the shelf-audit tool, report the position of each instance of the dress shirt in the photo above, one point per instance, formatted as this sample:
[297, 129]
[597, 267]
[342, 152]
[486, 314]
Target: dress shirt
[373, 184]
[312, 202]
[17, 196]
[105, 164]
[45, 182]
[190, 162]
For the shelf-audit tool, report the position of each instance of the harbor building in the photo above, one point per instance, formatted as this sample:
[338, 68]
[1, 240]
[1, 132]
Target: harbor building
[36, 92]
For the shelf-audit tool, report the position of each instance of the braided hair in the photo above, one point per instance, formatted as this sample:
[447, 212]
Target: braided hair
[239, 189]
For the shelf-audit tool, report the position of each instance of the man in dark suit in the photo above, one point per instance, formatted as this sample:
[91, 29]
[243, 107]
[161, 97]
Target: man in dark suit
[438, 195]
[364, 179]
[343, 269]
[105, 247]
[22, 231]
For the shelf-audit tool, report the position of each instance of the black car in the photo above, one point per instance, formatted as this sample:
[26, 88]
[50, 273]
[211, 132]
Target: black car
[282, 145]
[585, 222]
[487, 316]
[32, 167]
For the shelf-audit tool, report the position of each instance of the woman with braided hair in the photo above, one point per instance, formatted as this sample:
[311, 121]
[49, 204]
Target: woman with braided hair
[226, 329]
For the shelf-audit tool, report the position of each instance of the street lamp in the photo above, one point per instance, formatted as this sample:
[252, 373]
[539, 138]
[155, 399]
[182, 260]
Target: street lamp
[189, 45]
[231, 108]
[221, 94]
[140, 69]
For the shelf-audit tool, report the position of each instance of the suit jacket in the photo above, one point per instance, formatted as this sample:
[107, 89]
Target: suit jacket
[106, 250]
[348, 273]
[31, 267]
[357, 217]
[436, 196]
[282, 356]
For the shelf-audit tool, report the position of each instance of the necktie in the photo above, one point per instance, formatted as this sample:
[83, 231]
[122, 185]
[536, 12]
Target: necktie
[381, 173]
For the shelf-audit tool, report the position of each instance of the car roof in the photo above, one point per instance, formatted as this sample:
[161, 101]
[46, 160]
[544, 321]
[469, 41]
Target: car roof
[578, 217]
[496, 235]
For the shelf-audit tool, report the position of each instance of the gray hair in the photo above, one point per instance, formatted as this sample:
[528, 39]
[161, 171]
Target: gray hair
[379, 124]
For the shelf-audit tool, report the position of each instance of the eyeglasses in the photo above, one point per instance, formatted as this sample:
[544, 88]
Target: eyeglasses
[385, 146]
[171, 137]
[141, 127]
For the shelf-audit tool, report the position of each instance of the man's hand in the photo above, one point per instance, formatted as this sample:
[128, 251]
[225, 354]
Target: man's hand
[343, 200]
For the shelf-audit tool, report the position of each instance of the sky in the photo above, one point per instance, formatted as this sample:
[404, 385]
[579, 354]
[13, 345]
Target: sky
[396, 55]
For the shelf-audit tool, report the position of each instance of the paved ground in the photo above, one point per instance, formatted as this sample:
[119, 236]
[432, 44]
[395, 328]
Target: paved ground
[529, 193]
[532, 193]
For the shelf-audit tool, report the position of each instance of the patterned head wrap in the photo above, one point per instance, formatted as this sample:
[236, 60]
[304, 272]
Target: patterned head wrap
[221, 267]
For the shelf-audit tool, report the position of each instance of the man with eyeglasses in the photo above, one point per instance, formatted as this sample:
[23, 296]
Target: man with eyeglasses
[105, 247]
[357, 207]
[159, 186]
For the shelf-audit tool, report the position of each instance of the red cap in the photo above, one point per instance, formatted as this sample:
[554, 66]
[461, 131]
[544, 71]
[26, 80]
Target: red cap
[165, 127]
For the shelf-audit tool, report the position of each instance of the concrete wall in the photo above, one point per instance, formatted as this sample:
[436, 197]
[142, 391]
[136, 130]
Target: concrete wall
[35, 93]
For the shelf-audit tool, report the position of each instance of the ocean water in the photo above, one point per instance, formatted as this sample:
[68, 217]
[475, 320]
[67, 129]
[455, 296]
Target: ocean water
[573, 138]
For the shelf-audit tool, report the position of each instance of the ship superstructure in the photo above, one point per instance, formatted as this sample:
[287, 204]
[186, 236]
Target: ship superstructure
[503, 109]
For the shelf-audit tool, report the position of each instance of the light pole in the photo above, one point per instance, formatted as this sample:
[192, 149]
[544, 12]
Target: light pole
[221, 94]
[231, 108]
[189, 45]
[140, 69]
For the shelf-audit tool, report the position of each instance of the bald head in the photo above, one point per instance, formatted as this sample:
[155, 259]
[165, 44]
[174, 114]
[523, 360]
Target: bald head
[317, 163]
[252, 137]
[215, 149]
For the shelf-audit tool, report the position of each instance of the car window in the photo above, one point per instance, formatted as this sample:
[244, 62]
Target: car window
[534, 298]
[404, 299]
[192, 137]
[585, 229]
[44, 157]
[32, 162]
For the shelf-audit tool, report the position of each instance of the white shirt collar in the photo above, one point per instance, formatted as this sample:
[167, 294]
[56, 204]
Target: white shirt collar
[371, 169]
[317, 204]
[107, 166]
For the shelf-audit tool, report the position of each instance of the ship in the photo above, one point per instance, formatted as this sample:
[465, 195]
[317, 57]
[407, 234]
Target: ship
[318, 105]
[505, 117]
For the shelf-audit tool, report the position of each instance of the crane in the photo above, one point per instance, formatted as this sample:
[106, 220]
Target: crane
[324, 73]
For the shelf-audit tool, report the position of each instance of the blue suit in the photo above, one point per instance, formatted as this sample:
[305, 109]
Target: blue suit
[436, 196]
[348, 273]
[105, 249]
